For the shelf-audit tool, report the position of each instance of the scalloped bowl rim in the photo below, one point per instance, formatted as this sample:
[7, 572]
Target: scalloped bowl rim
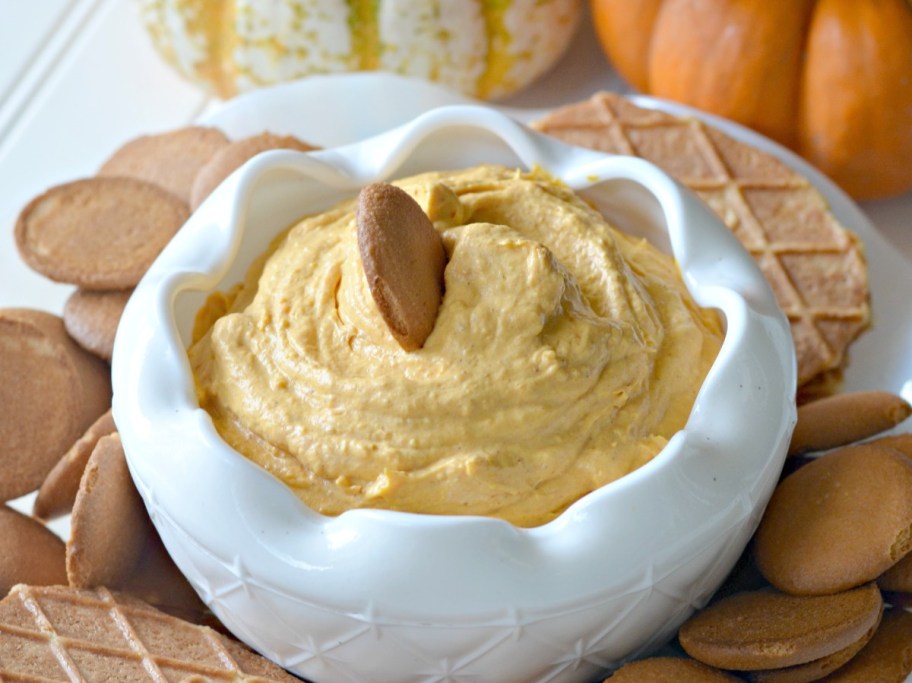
[177, 458]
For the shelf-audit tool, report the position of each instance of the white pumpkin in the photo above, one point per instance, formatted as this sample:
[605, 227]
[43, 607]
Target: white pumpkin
[482, 48]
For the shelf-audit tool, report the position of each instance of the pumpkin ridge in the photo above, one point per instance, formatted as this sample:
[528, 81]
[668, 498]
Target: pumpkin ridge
[213, 24]
[223, 39]
[625, 30]
[362, 23]
[497, 59]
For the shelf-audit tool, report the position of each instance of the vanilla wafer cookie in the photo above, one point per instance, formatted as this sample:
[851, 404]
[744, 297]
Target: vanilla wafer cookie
[91, 318]
[816, 669]
[51, 390]
[816, 267]
[839, 521]
[98, 233]
[233, 156]
[842, 419]
[766, 629]
[57, 633]
[28, 552]
[404, 260]
[109, 526]
[887, 658]
[170, 159]
[58, 490]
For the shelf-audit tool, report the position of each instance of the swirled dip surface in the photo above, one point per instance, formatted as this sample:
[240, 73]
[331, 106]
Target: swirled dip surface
[564, 355]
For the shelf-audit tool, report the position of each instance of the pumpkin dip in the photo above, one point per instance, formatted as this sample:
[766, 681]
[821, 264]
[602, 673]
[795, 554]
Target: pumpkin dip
[565, 354]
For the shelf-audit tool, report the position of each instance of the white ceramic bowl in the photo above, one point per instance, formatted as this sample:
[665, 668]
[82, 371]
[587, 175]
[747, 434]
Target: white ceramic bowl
[375, 595]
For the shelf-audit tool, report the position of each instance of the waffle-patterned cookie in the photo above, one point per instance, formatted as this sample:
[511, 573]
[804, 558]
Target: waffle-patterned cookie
[56, 633]
[816, 267]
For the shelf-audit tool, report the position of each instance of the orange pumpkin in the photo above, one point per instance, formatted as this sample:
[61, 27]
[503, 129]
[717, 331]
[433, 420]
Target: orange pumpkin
[830, 78]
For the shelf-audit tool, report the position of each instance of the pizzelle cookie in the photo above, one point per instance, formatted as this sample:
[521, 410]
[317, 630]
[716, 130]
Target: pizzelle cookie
[28, 552]
[232, 156]
[170, 160]
[91, 318]
[109, 527]
[816, 267]
[57, 633]
[52, 390]
[839, 521]
[766, 629]
[403, 258]
[98, 233]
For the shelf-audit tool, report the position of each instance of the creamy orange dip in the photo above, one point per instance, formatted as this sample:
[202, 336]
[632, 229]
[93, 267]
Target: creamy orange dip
[565, 355]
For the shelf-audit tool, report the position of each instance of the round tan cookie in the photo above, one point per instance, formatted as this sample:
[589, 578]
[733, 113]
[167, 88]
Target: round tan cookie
[98, 233]
[109, 527]
[666, 669]
[816, 669]
[115, 637]
[403, 259]
[51, 391]
[887, 658]
[232, 156]
[29, 552]
[91, 318]
[842, 419]
[58, 490]
[767, 629]
[839, 521]
[170, 160]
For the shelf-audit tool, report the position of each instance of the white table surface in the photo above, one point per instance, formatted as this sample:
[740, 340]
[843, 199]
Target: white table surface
[79, 77]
